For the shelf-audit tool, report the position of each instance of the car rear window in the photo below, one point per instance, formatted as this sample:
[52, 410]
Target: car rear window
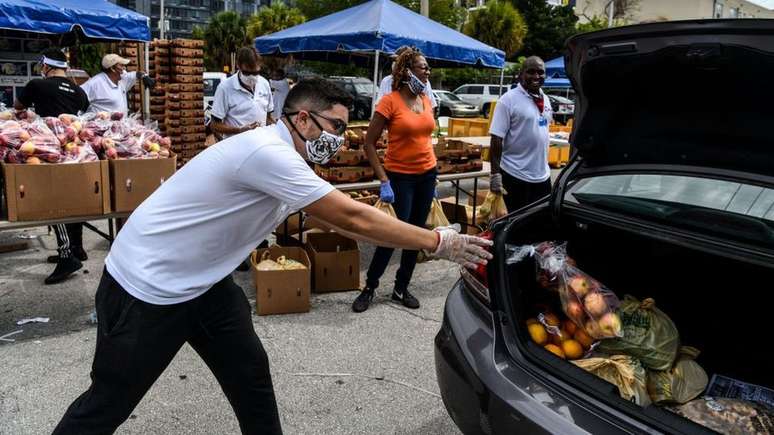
[743, 212]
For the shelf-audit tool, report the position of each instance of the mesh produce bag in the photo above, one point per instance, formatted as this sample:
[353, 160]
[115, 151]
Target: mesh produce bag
[729, 416]
[649, 334]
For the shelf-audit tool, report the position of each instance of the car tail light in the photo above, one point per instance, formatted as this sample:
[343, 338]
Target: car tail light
[477, 281]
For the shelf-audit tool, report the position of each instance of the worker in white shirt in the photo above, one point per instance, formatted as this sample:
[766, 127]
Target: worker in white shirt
[280, 88]
[243, 101]
[107, 90]
[385, 87]
[167, 279]
[519, 139]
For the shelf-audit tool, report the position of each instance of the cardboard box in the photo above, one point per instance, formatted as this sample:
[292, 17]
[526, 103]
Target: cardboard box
[294, 225]
[344, 173]
[38, 192]
[282, 291]
[132, 181]
[188, 52]
[184, 78]
[335, 262]
[463, 212]
[187, 43]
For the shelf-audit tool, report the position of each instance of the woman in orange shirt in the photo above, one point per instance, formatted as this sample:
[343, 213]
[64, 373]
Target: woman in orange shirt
[409, 172]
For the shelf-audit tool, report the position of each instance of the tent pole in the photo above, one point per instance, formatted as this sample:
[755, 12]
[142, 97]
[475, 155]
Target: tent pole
[376, 82]
[502, 74]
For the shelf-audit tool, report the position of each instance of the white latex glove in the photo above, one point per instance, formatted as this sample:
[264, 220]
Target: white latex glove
[496, 183]
[461, 248]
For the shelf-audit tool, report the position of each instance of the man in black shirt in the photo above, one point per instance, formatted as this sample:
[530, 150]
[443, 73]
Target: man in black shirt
[53, 95]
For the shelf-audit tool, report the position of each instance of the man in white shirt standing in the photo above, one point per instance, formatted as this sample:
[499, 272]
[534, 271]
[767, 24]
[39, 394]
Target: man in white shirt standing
[243, 101]
[385, 87]
[280, 87]
[107, 90]
[519, 139]
[167, 278]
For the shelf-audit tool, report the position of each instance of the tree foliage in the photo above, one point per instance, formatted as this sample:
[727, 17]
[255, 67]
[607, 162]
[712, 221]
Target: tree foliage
[498, 25]
[445, 12]
[549, 27]
[274, 18]
[225, 33]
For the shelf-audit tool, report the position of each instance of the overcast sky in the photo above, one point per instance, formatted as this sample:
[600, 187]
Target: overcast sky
[765, 3]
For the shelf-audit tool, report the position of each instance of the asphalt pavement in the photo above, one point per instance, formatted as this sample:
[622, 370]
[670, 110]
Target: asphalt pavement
[335, 372]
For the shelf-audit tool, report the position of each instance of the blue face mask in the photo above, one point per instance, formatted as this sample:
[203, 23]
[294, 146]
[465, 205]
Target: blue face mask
[416, 86]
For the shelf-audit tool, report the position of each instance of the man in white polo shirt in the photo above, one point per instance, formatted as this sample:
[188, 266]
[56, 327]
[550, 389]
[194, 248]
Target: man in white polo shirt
[167, 279]
[107, 90]
[519, 139]
[243, 101]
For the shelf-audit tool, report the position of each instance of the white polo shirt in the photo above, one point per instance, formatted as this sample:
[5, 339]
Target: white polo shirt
[385, 87]
[281, 89]
[104, 95]
[199, 225]
[524, 130]
[237, 107]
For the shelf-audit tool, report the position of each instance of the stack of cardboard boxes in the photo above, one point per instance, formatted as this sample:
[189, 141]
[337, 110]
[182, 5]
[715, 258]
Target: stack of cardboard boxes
[456, 156]
[350, 164]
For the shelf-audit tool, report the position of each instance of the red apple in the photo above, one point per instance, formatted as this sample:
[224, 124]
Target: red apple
[27, 148]
[580, 285]
[108, 142]
[610, 325]
[595, 304]
[111, 153]
[574, 311]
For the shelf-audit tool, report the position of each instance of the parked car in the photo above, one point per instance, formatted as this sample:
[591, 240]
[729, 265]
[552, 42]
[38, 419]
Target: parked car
[451, 105]
[211, 82]
[563, 108]
[362, 91]
[672, 202]
[480, 95]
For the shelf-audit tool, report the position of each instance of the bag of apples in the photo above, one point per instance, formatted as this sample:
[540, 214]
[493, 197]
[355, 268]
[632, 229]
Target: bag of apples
[585, 301]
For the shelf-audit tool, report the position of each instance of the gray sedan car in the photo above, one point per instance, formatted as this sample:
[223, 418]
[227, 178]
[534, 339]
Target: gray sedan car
[671, 199]
[451, 105]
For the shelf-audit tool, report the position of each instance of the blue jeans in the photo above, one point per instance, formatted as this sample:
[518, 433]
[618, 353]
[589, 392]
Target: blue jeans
[413, 197]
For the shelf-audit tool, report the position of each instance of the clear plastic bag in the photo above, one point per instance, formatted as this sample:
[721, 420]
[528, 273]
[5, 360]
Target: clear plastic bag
[436, 218]
[729, 416]
[649, 334]
[585, 301]
[80, 154]
[13, 134]
[493, 207]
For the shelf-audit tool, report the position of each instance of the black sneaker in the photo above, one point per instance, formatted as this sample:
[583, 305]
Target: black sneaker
[64, 268]
[363, 300]
[407, 299]
[78, 253]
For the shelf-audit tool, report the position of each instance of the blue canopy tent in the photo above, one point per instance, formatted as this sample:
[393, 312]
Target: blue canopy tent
[556, 77]
[94, 19]
[378, 27]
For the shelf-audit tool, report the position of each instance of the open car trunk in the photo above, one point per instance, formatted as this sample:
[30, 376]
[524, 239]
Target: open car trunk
[720, 306]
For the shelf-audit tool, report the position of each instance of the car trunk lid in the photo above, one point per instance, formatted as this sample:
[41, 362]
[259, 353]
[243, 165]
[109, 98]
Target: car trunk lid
[692, 93]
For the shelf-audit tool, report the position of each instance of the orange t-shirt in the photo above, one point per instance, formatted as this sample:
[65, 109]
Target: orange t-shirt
[410, 148]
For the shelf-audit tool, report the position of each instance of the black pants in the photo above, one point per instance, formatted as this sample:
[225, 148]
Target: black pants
[413, 197]
[521, 193]
[136, 341]
[68, 237]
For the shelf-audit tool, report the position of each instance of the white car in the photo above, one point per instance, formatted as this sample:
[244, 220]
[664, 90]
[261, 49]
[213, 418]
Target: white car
[211, 82]
[481, 95]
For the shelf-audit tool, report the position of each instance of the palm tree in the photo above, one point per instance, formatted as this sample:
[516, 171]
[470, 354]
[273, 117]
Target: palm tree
[500, 25]
[274, 18]
[224, 35]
